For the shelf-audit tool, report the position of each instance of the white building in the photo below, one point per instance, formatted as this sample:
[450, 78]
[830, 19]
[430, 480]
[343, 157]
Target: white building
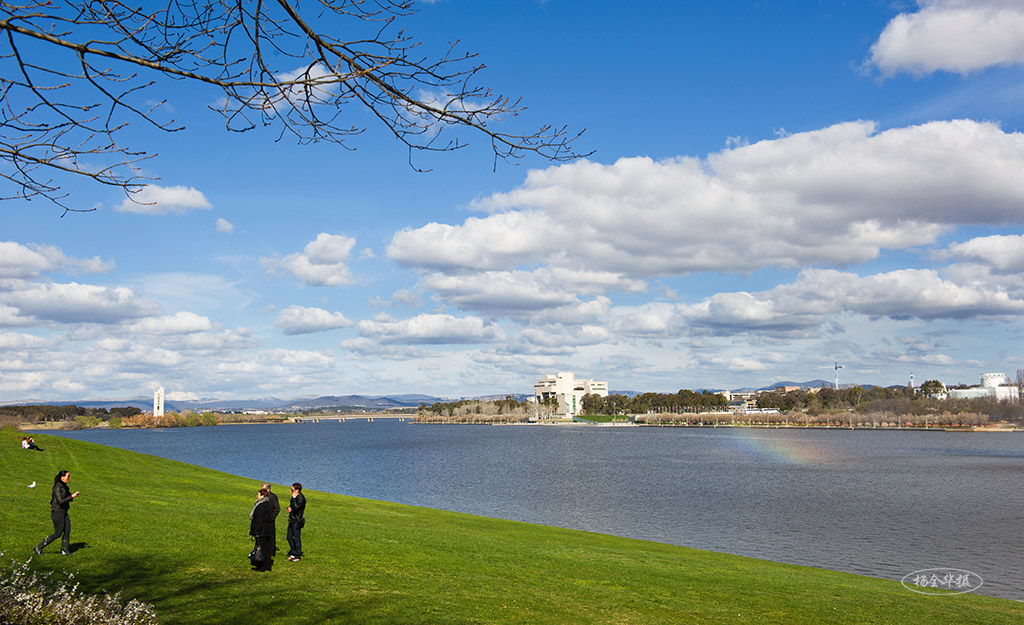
[993, 386]
[569, 392]
[158, 402]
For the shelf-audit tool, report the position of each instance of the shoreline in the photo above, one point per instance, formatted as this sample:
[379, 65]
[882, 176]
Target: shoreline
[53, 426]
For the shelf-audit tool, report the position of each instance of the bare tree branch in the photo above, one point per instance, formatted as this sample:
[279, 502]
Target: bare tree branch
[73, 73]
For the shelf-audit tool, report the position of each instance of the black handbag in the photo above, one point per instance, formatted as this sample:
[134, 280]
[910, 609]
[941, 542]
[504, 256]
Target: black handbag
[256, 555]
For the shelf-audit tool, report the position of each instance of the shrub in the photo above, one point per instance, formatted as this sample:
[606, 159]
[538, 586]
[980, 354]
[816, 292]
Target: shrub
[30, 598]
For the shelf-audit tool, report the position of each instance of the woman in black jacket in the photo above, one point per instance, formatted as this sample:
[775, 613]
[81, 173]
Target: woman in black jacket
[261, 526]
[60, 501]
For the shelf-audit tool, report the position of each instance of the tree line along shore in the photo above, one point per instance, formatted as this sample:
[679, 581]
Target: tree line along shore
[878, 407]
[857, 407]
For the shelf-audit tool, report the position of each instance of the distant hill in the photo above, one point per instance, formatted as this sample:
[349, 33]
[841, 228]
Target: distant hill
[358, 401]
[269, 404]
[812, 384]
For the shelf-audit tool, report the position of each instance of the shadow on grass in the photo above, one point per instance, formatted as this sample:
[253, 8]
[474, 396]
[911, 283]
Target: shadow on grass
[239, 596]
[78, 546]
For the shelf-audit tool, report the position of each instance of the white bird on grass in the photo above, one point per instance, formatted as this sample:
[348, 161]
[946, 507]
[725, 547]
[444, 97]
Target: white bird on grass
[32, 485]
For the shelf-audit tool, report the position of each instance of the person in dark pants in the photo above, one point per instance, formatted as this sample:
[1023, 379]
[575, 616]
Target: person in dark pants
[261, 526]
[276, 506]
[60, 501]
[296, 508]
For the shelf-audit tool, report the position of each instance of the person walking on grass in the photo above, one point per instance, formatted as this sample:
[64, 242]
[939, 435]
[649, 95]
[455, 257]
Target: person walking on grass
[261, 527]
[296, 508]
[60, 501]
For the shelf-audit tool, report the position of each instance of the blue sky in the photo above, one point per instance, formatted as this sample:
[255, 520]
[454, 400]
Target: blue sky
[775, 187]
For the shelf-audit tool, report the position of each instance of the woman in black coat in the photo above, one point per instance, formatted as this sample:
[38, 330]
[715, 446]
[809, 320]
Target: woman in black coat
[261, 526]
[60, 501]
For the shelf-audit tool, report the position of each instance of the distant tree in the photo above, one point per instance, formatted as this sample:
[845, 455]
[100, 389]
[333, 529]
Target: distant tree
[593, 404]
[75, 73]
[932, 388]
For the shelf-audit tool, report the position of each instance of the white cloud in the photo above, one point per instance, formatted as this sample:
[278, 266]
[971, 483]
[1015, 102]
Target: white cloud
[838, 196]
[497, 242]
[1003, 252]
[23, 382]
[179, 323]
[655, 319]
[18, 341]
[79, 303]
[323, 262]
[501, 292]
[157, 200]
[525, 293]
[431, 329]
[555, 339]
[958, 36]
[818, 295]
[29, 261]
[224, 226]
[301, 320]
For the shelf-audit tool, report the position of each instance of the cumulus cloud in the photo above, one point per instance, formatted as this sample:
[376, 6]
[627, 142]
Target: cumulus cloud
[1005, 253]
[656, 319]
[323, 262]
[79, 303]
[561, 340]
[820, 294]
[959, 36]
[29, 261]
[179, 323]
[300, 320]
[498, 292]
[838, 196]
[224, 226]
[431, 329]
[19, 341]
[156, 200]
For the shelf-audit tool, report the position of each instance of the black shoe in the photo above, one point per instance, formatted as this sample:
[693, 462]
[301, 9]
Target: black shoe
[65, 553]
[38, 551]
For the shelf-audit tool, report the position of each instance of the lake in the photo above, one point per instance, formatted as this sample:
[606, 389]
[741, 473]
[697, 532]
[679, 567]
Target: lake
[880, 503]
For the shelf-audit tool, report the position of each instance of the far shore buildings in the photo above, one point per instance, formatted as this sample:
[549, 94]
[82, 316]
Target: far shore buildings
[158, 402]
[993, 386]
[568, 391]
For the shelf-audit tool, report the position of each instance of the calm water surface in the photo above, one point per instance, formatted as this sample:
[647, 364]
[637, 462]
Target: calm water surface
[879, 503]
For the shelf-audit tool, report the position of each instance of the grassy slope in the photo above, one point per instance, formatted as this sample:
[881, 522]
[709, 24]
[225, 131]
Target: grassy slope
[175, 535]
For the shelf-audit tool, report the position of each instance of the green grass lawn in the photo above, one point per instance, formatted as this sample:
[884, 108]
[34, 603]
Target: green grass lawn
[175, 535]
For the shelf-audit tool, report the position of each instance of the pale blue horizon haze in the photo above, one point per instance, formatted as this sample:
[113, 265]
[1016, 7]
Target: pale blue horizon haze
[774, 187]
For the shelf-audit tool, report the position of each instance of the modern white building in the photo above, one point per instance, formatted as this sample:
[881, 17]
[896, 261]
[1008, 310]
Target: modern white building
[158, 402]
[993, 386]
[569, 392]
